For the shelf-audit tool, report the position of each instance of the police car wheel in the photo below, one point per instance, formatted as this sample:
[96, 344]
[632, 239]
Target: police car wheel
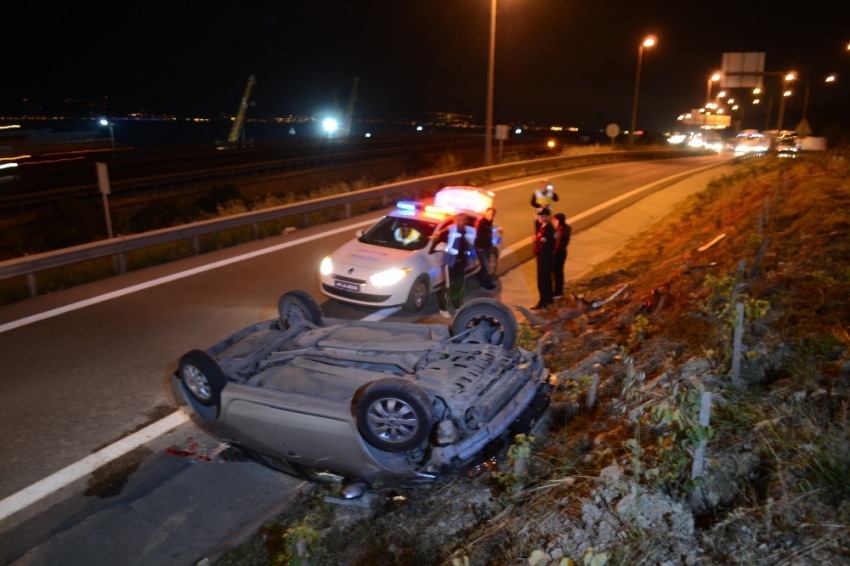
[418, 295]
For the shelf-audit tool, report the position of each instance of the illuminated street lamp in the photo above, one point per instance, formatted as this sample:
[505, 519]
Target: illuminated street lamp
[491, 71]
[648, 42]
[330, 125]
[110, 123]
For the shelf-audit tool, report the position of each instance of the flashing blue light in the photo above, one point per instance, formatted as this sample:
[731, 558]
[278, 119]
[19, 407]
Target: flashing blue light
[408, 205]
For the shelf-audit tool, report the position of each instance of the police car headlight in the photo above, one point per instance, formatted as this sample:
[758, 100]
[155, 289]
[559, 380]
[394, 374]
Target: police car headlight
[388, 277]
[327, 266]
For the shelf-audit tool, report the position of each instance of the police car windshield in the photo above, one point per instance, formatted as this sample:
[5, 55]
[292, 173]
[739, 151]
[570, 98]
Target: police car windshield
[399, 233]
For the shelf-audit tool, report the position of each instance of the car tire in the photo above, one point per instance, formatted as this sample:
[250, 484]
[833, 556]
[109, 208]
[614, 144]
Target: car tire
[386, 402]
[202, 377]
[496, 315]
[297, 306]
[418, 295]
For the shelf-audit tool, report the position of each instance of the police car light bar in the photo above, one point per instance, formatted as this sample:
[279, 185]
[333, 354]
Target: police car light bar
[409, 205]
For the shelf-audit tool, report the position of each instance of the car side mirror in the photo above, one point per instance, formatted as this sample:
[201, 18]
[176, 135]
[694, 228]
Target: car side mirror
[359, 233]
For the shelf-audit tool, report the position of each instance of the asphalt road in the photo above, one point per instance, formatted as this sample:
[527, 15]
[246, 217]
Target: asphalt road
[74, 383]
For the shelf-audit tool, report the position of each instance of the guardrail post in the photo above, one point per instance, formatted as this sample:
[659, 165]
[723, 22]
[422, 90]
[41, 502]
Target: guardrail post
[256, 226]
[122, 263]
[348, 210]
[31, 288]
[196, 245]
[383, 200]
[306, 220]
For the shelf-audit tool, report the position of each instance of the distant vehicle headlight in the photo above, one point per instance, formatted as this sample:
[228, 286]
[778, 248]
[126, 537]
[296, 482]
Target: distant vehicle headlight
[742, 149]
[327, 266]
[388, 277]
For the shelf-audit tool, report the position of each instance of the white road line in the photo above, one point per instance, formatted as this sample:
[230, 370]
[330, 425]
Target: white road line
[174, 277]
[87, 465]
[381, 314]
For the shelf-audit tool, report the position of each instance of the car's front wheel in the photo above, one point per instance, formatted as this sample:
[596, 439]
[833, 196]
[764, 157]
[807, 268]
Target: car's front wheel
[418, 295]
[394, 414]
[202, 376]
[298, 306]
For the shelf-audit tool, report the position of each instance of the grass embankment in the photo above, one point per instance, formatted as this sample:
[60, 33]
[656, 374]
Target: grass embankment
[778, 470]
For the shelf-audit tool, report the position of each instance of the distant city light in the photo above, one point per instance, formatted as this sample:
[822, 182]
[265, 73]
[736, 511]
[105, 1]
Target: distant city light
[756, 90]
[518, 131]
[573, 129]
[786, 93]
[15, 158]
[104, 122]
[550, 143]
[8, 165]
[556, 128]
[368, 135]
[735, 107]
[830, 79]
[12, 127]
[418, 128]
[756, 101]
[330, 125]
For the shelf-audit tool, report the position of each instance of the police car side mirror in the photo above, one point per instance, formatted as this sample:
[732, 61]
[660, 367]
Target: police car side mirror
[441, 247]
[359, 233]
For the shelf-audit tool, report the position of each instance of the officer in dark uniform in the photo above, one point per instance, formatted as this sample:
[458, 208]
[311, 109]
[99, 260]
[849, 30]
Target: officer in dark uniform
[483, 245]
[544, 250]
[562, 240]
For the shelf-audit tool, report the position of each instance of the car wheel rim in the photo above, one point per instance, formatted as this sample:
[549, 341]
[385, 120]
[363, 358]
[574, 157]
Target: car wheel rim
[419, 294]
[392, 420]
[197, 382]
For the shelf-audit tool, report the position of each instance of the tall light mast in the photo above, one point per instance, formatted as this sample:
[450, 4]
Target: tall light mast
[240, 115]
[349, 113]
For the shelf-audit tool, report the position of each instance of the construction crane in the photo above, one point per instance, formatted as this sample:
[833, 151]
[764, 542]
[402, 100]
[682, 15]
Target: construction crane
[236, 130]
[350, 110]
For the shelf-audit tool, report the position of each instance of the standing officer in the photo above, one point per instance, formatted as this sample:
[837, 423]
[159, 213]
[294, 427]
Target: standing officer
[461, 241]
[562, 240]
[483, 245]
[544, 250]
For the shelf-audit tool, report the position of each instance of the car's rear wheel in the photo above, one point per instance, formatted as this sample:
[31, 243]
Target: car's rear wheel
[202, 376]
[418, 295]
[298, 306]
[394, 414]
[498, 324]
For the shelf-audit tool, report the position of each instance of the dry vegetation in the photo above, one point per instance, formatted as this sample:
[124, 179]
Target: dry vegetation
[612, 483]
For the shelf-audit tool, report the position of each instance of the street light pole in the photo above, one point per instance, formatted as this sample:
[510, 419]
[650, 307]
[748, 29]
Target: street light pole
[711, 79]
[105, 122]
[648, 42]
[491, 72]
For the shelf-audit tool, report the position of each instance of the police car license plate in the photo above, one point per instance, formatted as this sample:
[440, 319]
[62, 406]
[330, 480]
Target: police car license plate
[347, 286]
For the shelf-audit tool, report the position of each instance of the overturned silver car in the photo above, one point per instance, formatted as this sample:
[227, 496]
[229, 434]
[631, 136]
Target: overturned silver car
[306, 394]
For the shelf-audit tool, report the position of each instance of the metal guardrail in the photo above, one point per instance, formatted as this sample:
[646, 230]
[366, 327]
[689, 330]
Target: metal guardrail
[29, 265]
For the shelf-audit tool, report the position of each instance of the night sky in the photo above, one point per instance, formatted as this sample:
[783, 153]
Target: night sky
[568, 62]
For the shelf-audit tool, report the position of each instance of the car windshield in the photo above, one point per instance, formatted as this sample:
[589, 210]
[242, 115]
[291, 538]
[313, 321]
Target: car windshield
[399, 233]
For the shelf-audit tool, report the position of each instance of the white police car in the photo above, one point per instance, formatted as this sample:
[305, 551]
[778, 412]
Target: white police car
[399, 260]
